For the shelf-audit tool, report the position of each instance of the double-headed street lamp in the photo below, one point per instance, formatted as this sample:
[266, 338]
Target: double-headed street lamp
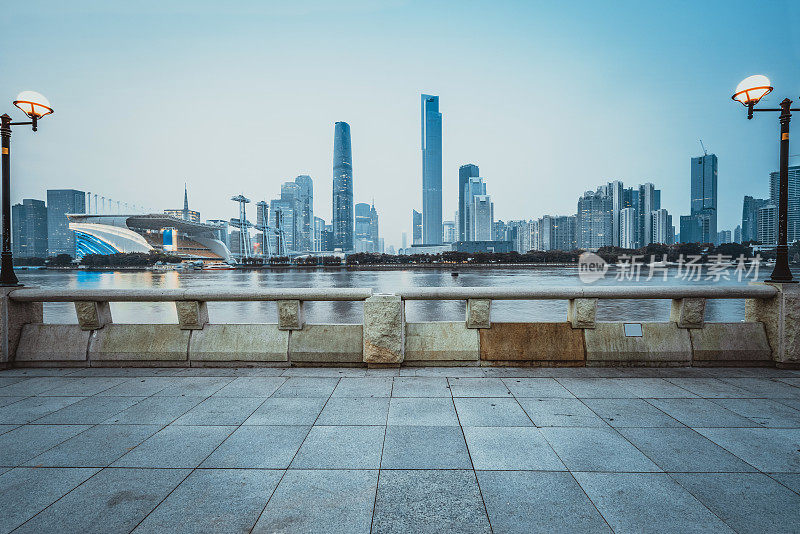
[749, 92]
[35, 106]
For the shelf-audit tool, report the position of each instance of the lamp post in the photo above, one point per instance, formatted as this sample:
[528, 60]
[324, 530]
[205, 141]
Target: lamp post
[749, 92]
[35, 106]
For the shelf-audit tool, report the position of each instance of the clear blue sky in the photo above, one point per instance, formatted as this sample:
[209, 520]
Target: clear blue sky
[548, 98]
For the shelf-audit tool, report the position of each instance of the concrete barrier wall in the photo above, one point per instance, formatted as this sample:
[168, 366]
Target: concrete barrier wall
[533, 344]
[442, 343]
[661, 344]
[730, 344]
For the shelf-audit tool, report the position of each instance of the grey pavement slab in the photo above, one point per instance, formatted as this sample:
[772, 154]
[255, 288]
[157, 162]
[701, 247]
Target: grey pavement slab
[772, 450]
[421, 386]
[461, 372]
[790, 480]
[176, 446]
[683, 450]
[287, 411]
[510, 448]
[196, 386]
[27, 491]
[321, 501]
[263, 447]
[85, 387]
[765, 387]
[25, 442]
[478, 387]
[701, 413]
[89, 411]
[491, 412]
[141, 386]
[307, 387]
[324, 372]
[422, 411]
[8, 380]
[155, 411]
[710, 388]
[429, 501]
[35, 386]
[654, 388]
[747, 502]
[537, 388]
[221, 411]
[364, 387]
[5, 401]
[424, 447]
[765, 412]
[7, 428]
[602, 388]
[27, 372]
[32, 408]
[596, 449]
[647, 502]
[630, 413]
[528, 502]
[113, 500]
[341, 447]
[130, 372]
[213, 500]
[251, 386]
[560, 412]
[355, 411]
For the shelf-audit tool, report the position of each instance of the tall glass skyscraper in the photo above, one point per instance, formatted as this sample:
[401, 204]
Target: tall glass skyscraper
[431, 171]
[793, 220]
[60, 239]
[465, 172]
[343, 188]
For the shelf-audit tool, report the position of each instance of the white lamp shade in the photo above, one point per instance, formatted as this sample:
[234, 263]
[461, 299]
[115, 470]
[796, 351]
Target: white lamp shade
[33, 104]
[752, 89]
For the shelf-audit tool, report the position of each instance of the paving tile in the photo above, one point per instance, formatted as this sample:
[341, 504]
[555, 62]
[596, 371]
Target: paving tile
[684, 450]
[465, 372]
[8, 380]
[198, 386]
[129, 372]
[25, 442]
[654, 388]
[113, 500]
[596, 449]
[710, 388]
[537, 388]
[422, 412]
[141, 386]
[510, 448]
[364, 387]
[532, 502]
[597, 388]
[221, 411]
[176, 446]
[560, 412]
[324, 372]
[424, 447]
[155, 411]
[7, 428]
[218, 500]
[647, 502]
[27, 372]
[5, 401]
[307, 387]
[320, 501]
[765, 412]
[790, 480]
[701, 412]
[791, 403]
[772, 450]
[263, 447]
[354, 411]
[478, 387]
[89, 411]
[27, 491]
[35, 385]
[341, 447]
[421, 386]
[429, 501]
[32, 408]
[491, 412]
[287, 411]
[383, 372]
[251, 386]
[765, 388]
[84, 387]
[747, 502]
[630, 413]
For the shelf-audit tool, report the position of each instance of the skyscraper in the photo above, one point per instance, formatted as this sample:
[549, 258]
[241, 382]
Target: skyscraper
[616, 191]
[29, 229]
[594, 220]
[750, 208]
[60, 239]
[343, 222]
[649, 200]
[700, 226]
[793, 221]
[482, 217]
[362, 233]
[465, 172]
[431, 171]
[768, 225]
[474, 187]
[662, 227]
[416, 227]
[304, 204]
[627, 228]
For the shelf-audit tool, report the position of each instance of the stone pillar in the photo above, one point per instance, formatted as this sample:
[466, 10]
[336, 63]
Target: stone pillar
[384, 329]
[93, 315]
[688, 312]
[192, 314]
[781, 318]
[290, 315]
[13, 316]
[479, 313]
[581, 312]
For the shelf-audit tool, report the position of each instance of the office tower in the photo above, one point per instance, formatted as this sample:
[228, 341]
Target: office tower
[723, 236]
[545, 233]
[431, 171]
[649, 200]
[342, 188]
[60, 239]
[482, 216]
[627, 228]
[282, 220]
[662, 227]
[793, 221]
[594, 220]
[416, 227]
[630, 199]
[475, 186]
[319, 228]
[373, 226]
[362, 221]
[700, 226]
[737, 234]
[498, 231]
[327, 238]
[750, 208]
[563, 232]
[304, 204]
[465, 172]
[448, 231]
[616, 192]
[768, 225]
[404, 240]
[29, 229]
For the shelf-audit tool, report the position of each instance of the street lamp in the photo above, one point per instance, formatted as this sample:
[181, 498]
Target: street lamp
[748, 93]
[35, 106]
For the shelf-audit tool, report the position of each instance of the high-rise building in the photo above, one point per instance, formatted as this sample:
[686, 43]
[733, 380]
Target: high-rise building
[737, 234]
[793, 220]
[594, 220]
[186, 214]
[564, 229]
[404, 240]
[627, 228]
[475, 186]
[482, 217]
[630, 199]
[327, 238]
[60, 239]
[616, 192]
[373, 228]
[768, 225]
[319, 229]
[431, 171]
[362, 221]
[649, 200]
[342, 188]
[723, 236]
[700, 226]
[29, 229]
[449, 232]
[416, 227]
[499, 230]
[465, 172]
[663, 231]
[750, 208]
[304, 205]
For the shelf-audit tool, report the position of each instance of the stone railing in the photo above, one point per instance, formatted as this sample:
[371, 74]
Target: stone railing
[769, 335]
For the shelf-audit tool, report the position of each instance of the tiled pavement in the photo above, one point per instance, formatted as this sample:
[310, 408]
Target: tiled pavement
[402, 450]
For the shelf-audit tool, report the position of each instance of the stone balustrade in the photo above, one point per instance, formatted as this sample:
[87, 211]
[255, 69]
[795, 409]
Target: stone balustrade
[770, 334]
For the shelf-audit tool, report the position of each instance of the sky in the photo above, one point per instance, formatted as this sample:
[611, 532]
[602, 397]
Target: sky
[550, 99]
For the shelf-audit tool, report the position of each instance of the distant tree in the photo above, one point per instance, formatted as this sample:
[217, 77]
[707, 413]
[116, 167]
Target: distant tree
[61, 260]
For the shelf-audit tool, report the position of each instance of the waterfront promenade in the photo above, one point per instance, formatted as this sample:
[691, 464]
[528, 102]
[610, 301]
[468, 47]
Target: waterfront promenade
[410, 449]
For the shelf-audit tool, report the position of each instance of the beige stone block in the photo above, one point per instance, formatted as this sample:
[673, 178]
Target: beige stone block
[441, 342]
[327, 343]
[688, 312]
[143, 342]
[52, 343]
[661, 344]
[781, 318]
[581, 312]
[93, 315]
[192, 315]
[383, 329]
[290, 315]
[479, 312]
[239, 342]
[13, 316]
[536, 343]
[730, 344]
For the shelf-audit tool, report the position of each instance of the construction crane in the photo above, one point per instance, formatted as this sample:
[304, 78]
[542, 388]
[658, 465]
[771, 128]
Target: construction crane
[705, 153]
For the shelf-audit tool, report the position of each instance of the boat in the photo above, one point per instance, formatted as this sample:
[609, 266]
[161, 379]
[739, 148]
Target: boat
[218, 266]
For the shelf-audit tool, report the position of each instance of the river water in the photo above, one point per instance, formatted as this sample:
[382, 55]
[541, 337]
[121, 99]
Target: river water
[386, 281]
